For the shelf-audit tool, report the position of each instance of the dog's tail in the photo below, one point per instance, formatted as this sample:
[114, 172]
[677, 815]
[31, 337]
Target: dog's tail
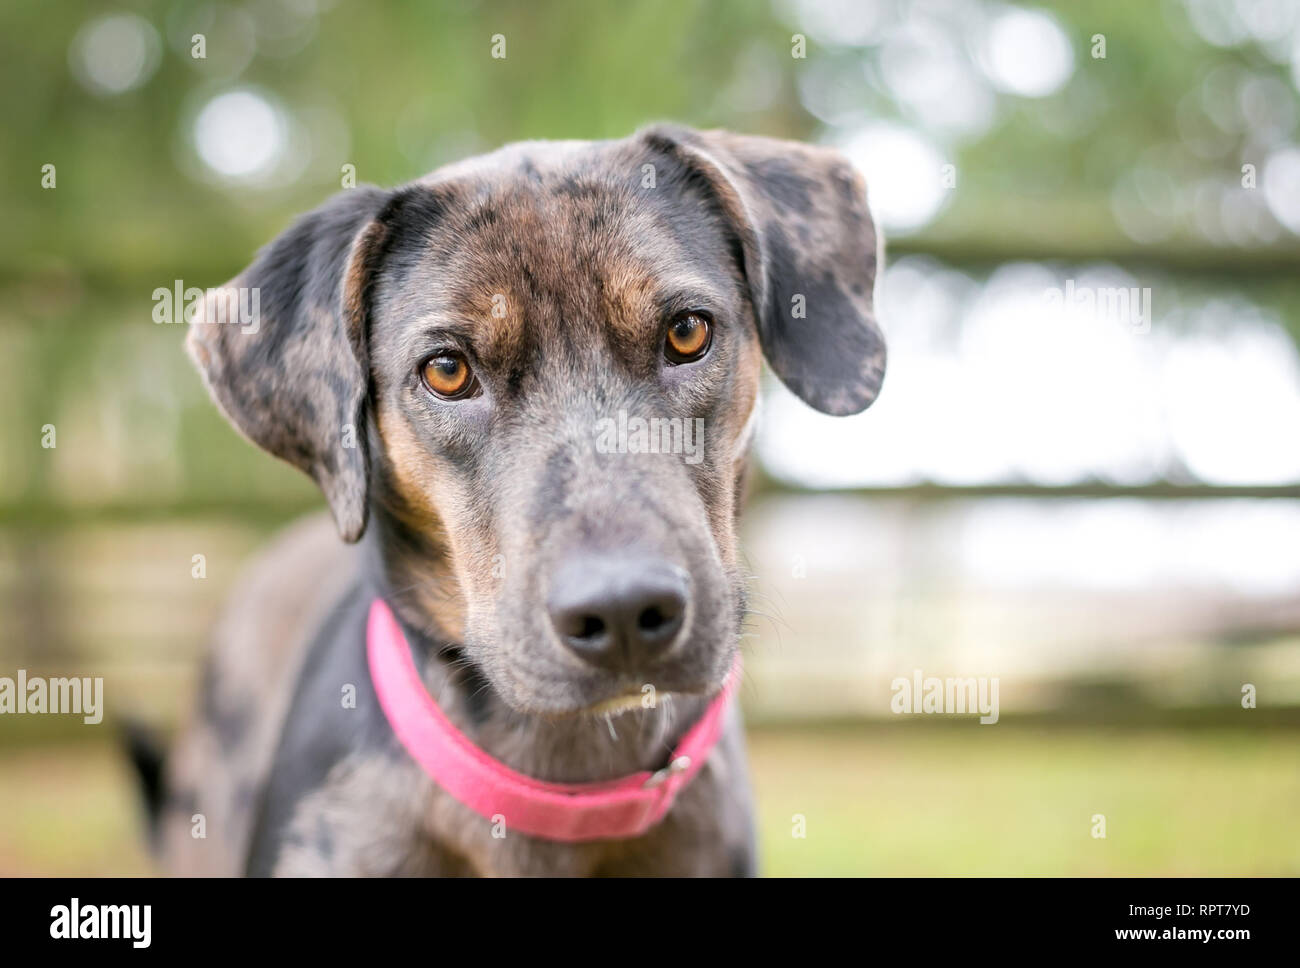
[145, 749]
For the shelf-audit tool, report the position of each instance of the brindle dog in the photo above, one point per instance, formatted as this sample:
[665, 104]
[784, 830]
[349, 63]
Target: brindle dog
[439, 358]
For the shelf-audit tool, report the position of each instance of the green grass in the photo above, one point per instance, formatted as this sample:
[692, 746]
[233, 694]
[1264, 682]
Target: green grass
[71, 810]
[892, 800]
[997, 800]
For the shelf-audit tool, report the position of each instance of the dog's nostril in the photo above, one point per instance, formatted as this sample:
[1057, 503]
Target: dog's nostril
[589, 627]
[652, 619]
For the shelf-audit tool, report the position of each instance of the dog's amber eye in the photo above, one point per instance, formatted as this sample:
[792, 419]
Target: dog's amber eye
[689, 336]
[448, 375]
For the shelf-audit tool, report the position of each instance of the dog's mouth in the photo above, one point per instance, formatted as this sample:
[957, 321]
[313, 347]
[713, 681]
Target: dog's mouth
[648, 698]
[617, 705]
[619, 701]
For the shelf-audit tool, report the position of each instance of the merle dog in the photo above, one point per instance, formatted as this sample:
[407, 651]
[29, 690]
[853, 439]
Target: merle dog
[440, 358]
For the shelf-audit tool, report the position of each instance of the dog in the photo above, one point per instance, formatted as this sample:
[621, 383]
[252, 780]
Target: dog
[439, 358]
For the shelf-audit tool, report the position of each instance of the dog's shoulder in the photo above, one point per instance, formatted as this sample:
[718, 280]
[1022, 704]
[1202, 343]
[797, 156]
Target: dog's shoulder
[218, 769]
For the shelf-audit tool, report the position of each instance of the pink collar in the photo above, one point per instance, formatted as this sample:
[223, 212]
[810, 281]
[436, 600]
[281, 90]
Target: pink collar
[570, 812]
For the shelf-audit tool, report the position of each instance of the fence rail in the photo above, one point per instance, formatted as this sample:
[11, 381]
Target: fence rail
[271, 511]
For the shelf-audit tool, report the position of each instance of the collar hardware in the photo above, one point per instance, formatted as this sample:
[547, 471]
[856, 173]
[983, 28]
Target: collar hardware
[680, 765]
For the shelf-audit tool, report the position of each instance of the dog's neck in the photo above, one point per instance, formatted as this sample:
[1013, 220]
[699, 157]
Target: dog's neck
[570, 750]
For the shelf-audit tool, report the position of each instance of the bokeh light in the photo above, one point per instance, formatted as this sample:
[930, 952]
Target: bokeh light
[114, 53]
[240, 134]
[1027, 53]
[904, 173]
[1281, 184]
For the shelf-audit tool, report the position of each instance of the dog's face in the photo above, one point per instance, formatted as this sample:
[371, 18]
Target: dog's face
[547, 362]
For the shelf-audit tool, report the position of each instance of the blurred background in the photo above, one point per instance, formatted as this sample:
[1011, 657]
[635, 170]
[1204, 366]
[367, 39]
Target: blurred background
[1082, 478]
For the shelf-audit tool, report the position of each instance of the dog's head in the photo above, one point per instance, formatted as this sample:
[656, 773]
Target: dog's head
[535, 373]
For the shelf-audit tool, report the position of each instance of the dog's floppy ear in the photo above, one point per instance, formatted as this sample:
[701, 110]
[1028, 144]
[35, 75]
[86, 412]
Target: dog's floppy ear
[810, 257]
[282, 348]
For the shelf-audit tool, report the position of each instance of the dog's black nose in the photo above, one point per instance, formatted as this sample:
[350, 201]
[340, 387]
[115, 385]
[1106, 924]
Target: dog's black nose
[617, 612]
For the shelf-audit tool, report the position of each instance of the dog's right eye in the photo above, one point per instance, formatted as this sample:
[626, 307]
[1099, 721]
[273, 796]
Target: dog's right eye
[689, 336]
[448, 375]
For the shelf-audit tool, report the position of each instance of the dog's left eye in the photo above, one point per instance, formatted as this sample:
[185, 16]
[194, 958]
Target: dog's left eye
[689, 337]
[448, 375]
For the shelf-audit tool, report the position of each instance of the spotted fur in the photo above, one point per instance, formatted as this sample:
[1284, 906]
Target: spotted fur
[554, 267]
